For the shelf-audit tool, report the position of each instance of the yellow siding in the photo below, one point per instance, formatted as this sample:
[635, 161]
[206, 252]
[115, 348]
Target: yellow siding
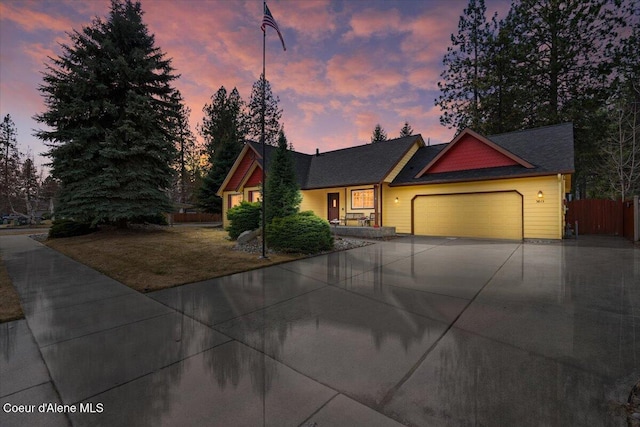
[403, 162]
[541, 219]
[316, 201]
[225, 207]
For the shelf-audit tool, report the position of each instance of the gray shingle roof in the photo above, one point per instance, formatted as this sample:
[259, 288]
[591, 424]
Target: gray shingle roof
[301, 161]
[549, 149]
[360, 165]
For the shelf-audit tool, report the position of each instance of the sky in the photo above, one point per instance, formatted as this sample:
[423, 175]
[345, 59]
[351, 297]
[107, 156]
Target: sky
[349, 64]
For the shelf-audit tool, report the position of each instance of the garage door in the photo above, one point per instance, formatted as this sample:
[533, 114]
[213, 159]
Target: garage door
[496, 215]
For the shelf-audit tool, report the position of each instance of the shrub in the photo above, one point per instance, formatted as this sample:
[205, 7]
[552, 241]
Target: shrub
[69, 228]
[245, 216]
[303, 232]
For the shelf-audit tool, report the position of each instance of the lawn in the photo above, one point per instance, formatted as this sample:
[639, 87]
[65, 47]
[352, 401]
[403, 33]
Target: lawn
[148, 260]
[10, 308]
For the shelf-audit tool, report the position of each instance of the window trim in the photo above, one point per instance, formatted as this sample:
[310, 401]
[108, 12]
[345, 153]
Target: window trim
[373, 198]
[229, 205]
[251, 195]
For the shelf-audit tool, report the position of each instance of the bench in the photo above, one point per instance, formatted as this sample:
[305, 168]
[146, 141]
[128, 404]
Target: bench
[353, 216]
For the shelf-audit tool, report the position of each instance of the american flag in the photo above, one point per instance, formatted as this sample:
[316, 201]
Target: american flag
[268, 20]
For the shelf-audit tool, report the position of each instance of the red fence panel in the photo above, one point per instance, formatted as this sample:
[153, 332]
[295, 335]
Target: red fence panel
[596, 216]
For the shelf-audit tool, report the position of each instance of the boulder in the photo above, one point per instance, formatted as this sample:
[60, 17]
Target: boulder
[249, 235]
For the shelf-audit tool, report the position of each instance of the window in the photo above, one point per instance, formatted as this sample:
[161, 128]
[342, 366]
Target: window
[254, 196]
[362, 199]
[234, 200]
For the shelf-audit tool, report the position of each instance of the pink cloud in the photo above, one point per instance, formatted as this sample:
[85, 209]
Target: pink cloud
[365, 122]
[302, 76]
[362, 75]
[312, 19]
[26, 15]
[369, 22]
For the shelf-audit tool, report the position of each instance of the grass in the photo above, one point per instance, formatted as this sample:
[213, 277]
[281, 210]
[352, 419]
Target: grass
[10, 308]
[148, 260]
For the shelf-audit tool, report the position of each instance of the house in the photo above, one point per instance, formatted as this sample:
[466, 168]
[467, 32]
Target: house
[507, 186]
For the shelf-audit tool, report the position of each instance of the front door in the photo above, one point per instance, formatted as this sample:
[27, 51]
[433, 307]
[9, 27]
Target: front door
[333, 202]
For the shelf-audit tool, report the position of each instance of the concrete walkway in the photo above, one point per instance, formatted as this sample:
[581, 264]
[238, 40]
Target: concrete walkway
[414, 331]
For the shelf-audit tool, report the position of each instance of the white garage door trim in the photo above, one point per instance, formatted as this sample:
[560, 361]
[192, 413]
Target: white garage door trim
[417, 196]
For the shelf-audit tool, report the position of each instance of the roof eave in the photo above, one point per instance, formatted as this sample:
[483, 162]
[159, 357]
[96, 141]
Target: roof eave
[420, 142]
[246, 148]
[493, 178]
[359, 184]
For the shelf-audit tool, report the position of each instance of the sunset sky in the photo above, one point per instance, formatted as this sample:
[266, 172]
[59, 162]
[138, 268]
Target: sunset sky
[348, 65]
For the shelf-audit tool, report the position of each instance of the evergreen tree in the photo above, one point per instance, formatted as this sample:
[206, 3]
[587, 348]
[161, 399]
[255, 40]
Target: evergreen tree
[406, 130]
[110, 106]
[272, 115]
[223, 129]
[563, 46]
[282, 191]
[9, 165]
[30, 186]
[564, 72]
[503, 106]
[547, 62]
[185, 143]
[464, 79]
[223, 121]
[378, 135]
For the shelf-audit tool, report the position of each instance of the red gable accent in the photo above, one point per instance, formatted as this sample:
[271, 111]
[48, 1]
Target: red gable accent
[255, 179]
[470, 150]
[470, 153]
[240, 172]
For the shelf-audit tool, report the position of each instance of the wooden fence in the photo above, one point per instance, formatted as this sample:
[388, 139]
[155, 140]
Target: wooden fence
[597, 216]
[196, 217]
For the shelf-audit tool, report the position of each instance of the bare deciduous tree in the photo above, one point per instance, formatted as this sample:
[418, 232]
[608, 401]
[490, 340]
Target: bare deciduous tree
[622, 150]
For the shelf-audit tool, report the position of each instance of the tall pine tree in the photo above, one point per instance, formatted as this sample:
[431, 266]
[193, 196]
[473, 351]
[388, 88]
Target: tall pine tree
[185, 144]
[224, 130]
[464, 79]
[109, 104]
[9, 165]
[282, 190]
[272, 114]
[564, 70]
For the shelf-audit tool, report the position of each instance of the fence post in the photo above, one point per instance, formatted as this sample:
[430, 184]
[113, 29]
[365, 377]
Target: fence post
[636, 223]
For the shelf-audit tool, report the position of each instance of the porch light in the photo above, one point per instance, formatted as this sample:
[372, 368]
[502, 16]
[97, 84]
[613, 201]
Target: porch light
[396, 200]
[540, 195]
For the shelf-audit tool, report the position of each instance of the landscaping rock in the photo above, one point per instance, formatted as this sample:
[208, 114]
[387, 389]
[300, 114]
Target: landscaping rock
[247, 236]
[255, 246]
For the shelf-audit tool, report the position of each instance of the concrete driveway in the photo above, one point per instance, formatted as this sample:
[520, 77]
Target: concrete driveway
[414, 331]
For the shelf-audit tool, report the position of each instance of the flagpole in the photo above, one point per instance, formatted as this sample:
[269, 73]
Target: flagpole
[264, 159]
